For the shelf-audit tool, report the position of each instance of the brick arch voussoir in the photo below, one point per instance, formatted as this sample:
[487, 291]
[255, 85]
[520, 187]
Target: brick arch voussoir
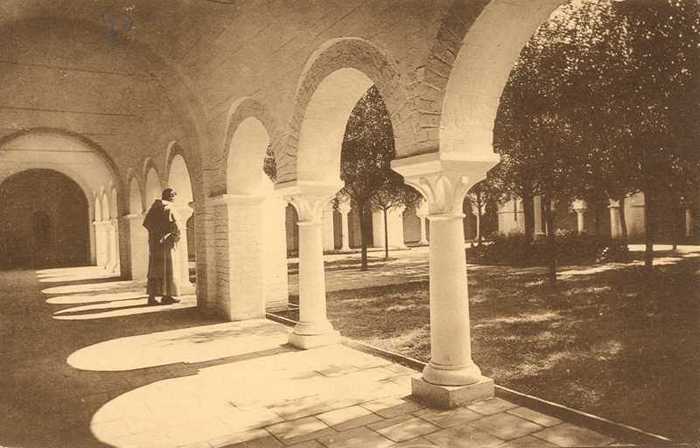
[364, 56]
[428, 91]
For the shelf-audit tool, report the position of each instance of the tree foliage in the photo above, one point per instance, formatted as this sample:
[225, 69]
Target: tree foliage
[598, 105]
[367, 151]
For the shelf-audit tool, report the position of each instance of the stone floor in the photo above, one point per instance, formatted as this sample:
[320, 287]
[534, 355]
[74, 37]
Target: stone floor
[87, 364]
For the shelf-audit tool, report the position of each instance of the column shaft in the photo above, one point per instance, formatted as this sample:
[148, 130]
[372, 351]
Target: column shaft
[345, 229]
[450, 363]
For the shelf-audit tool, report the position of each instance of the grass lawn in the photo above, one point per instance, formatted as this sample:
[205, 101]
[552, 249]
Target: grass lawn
[611, 340]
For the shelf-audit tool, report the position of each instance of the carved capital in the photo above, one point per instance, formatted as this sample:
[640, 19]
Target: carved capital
[308, 198]
[579, 205]
[443, 179]
[344, 204]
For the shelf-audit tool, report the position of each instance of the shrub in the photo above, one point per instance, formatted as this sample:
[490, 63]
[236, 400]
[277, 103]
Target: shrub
[571, 247]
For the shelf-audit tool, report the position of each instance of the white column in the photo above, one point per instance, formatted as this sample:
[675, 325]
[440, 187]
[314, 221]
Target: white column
[313, 329]
[344, 209]
[538, 218]
[477, 213]
[327, 220]
[182, 262]
[113, 226]
[580, 207]
[422, 214]
[615, 224]
[99, 248]
[106, 238]
[444, 184]
[138, 246]
[689, 222]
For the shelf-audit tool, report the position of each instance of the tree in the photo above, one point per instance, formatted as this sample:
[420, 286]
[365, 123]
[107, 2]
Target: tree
[367, 151]
[480, 195]
[596, 98]
[393, 193]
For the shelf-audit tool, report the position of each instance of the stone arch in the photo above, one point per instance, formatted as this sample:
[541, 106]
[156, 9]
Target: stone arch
[153, 185]
[475, 51]
[244, 163]
[26, 147]
[334, 78]
[179, 174]
[49, 229]
[105, 205]
[98, 208]
[135, 194]
[113, 203]
[247, 138]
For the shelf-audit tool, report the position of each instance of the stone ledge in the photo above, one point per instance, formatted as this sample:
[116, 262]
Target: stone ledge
[448, 397]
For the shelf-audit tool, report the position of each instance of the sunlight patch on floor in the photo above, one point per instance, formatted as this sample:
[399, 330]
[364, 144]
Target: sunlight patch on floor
[189, 345]
[222, 401]
[121, 308]
[76, 299]
[88, 287]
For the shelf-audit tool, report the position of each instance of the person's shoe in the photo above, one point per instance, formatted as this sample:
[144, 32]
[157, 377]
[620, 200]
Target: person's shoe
[167, 300]
[152, 301]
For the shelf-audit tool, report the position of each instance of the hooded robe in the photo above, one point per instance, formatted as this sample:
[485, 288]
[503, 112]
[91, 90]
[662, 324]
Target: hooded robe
[163, 235]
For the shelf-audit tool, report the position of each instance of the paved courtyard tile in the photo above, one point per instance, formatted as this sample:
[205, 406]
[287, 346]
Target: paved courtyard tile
[173, 378]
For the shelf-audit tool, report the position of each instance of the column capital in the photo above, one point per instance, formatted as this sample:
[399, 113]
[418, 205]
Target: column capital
[443, 179]
[613, 204]
[344, 207]
[309, 198]
[579, 205]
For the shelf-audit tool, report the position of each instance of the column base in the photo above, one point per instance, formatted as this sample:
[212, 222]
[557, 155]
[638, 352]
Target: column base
[448, 397]
[306, 341]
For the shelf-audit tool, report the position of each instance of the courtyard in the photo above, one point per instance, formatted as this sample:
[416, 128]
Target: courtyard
[95, 367]
[583, 344]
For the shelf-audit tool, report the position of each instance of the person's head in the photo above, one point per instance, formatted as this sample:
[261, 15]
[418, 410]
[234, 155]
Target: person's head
[168, 194]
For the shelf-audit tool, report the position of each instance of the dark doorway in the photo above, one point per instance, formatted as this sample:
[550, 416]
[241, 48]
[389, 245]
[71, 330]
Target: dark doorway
[44, 221]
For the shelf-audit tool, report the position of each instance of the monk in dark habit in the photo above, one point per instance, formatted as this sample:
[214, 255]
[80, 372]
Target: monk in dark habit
[163, 235]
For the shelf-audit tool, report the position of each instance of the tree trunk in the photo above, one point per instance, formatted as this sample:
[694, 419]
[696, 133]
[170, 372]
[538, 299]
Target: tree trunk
[623, 220]
[649, 231]
[596, 212]
[478, 224]
[363, 236]
[677, 222]
[551, 241]
[386, 234]
[528, 217]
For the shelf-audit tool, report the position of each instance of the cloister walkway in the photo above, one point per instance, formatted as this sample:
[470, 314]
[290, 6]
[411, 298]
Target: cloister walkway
[87, 364]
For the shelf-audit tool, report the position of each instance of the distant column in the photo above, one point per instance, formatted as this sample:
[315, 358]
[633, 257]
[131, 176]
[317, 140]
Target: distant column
[422, 214]
[689, 222]
[580, 208]
[615, 224]
[344, 209]
[538, 218]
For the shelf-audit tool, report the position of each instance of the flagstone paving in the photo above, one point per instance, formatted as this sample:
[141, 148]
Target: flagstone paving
[123, 377]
